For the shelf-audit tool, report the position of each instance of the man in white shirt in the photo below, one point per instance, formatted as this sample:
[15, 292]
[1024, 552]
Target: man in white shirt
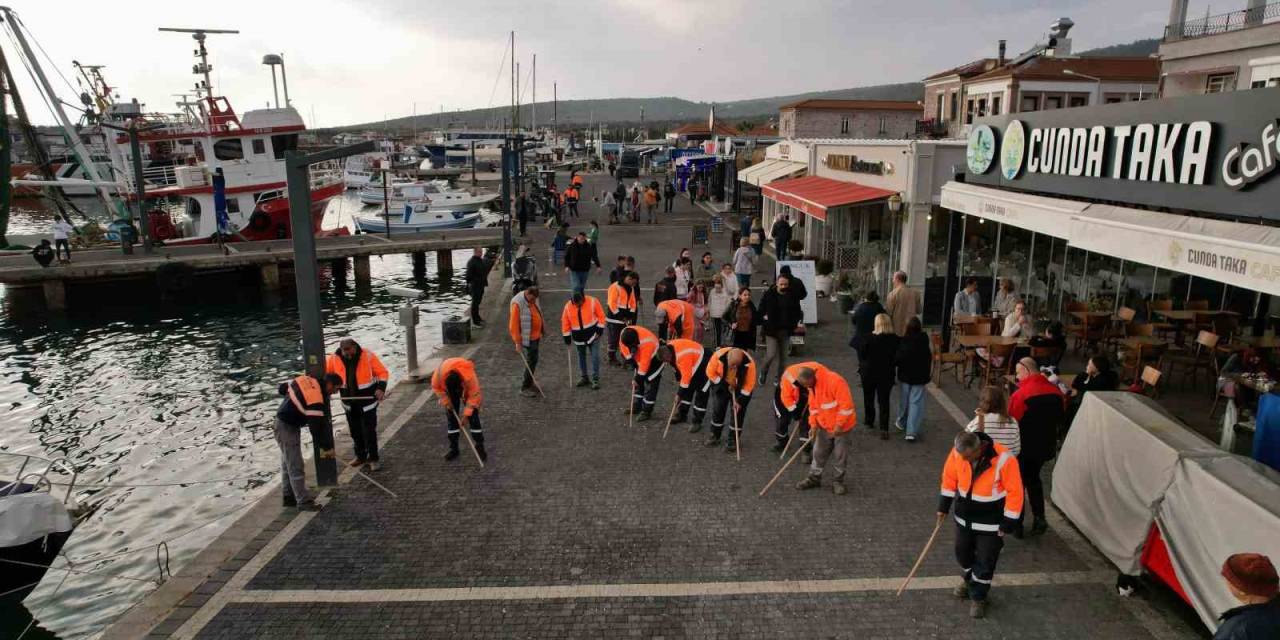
[62, 231]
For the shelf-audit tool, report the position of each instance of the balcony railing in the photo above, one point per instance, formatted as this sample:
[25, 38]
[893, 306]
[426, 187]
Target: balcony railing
[931, 127]
[1223, 23]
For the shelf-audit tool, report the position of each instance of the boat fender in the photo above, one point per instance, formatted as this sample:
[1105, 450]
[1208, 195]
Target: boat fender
[259, 221]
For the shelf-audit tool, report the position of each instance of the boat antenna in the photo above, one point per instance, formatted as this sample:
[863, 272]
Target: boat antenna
[204, 67]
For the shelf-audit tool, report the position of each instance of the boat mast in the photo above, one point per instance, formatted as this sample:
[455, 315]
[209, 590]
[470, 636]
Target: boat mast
[73, 137]
[204, 67]
[534, 124]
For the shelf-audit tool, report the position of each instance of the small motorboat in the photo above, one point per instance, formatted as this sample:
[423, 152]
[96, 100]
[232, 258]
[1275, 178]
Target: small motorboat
[33, 527]
[418, 216]
[436, 193]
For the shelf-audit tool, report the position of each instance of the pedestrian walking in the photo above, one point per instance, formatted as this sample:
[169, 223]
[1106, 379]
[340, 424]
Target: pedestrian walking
[781, 233]
[684, 277]
[665, 289]
[635, 202]
[623, 300]
[364, 383]
[981, 479]
[732, 373]
[691, 186]
[668, 196]
[1039, 406]
[992, 418]
[458, 389]
[639, 350]
[915, 365]
[593, 236]
[579, 257]
[877, 373]
[559, 243]
[863, 318]
[757, 235]
[620, 195]
[744, 264]
[477, 279]
[674, 318]
[524, 210]
[705, 269]
[524, 270]
[780, 316]
[525, 326]
[62, 231]
[902, 303]
[698, 299]
[831, 421]
[718, 301]
[791, 403]
[742, 319]
[1251, 579]
[571, 196]
[581, 324]
[610, 203]
[304, 403]
[730, 279]
[651, 198]
[689, 359]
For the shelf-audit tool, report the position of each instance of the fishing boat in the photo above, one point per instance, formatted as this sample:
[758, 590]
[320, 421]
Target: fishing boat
[418, 216]
[436, 193]
[34, 525]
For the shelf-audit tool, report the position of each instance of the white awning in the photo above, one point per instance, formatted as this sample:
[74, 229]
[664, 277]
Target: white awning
[770, 170]
[1050, 216]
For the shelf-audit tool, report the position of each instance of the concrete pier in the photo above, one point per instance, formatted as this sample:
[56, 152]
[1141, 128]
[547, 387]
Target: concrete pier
[361, 265]
[55, 294]
[269, 275]
[420, 263]
[444, 262]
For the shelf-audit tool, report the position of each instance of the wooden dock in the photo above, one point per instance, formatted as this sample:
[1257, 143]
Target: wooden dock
[266, 256]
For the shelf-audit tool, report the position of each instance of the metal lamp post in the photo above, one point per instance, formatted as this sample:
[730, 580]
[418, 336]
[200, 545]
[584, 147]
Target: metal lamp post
[272, 60]
[1097, 86]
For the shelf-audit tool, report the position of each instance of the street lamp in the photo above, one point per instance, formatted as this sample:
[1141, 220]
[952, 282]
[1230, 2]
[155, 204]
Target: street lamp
[895, 203]
[1097, 91]
[271, 60]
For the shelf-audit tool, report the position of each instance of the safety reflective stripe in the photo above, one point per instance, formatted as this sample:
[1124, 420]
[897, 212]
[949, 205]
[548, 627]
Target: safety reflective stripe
[685, 352]
[656, 371]
[1011, 514]
[371, 406]
[948, 493]
[999, 495]
[293, 396]
[828, 405]
[975, 577]
[845, 412]
[977, 526]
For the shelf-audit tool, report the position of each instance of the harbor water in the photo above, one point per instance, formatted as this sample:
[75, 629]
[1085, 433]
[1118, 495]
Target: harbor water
[166, 409]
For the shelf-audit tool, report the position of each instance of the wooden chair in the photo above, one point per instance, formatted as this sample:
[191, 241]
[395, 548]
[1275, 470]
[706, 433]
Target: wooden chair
[1150, 382]
[977, 329]
[1142, 358]
[1163, 328]
[1202, 357]
[1089, 333]
[1002, 353]
[1046, 356]
[1119, 327]
[956, 359]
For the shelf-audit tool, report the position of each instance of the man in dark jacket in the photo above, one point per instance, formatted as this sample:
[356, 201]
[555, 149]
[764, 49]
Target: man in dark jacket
[863, 318]
[796, 286]
[1251, 578]
[781, 314]
[668, 196]
[665, 289]
[477, 280]
[781, 233]
[578, 258]
[524, 209]
[915, 365]
[1040, 408]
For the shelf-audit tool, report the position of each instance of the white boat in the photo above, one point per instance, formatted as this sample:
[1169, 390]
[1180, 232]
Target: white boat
[360, 170]
[418, 216]
[437, 194]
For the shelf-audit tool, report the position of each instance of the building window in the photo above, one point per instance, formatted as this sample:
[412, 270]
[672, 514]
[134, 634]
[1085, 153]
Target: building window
[995, 105]
[259, 147]
[955, 106]
[1052, 102]
[282, 143]
[1219, 82]
[884, 125]
[982, 107]
[233, 205]
[1079, 101]
[940, 105]
[968, 111]
[1112, 99]
[229, 149]
[1029, 103]
[844, 124]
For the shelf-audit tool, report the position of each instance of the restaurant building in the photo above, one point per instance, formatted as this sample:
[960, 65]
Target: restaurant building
[1123, 205]
[1224, 52]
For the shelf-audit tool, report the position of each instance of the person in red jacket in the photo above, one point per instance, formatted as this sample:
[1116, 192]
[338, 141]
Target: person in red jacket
[1040, 408]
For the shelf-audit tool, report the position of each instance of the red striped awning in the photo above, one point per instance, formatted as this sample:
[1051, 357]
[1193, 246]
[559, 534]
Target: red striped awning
[815, 194]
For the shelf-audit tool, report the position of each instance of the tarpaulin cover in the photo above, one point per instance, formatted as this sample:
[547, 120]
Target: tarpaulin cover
[1216, 507]
[30, 516]
[1117, 461]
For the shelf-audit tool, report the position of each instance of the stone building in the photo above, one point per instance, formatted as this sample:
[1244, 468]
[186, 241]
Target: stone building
[1225, 52]
[860, 119]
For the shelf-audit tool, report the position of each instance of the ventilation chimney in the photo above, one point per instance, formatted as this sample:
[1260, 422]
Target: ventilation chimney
[1000, 60]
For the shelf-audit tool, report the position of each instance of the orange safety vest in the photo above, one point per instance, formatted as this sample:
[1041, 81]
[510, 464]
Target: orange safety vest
[831, 403]
[369, 369]
[577, 181]
[719, 362]
[525, 321]
[620, 299]
[470, 384]
[307, 396]
[679, 316]
[584, 323]
[789, 389]
[645, 350]
[571, 194]
[688, 355]
[995, 493]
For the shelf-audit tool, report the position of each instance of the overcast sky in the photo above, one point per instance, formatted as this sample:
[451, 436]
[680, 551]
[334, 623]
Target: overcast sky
[358, 61]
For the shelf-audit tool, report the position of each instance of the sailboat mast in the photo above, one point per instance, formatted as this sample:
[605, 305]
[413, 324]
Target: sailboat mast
[534, 125]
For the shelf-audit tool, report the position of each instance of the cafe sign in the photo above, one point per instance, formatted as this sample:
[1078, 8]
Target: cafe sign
[854, 164]
[1214, 153]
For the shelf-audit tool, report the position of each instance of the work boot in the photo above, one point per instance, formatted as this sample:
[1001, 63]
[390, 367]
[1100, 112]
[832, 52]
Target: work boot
[585, 381]
[809, 482]
[884, 434]
[978, 609]
[358, 462]
[484, 455]
[837, 488]
[695, 426]
[1038, 528]
[374, 465]
[289, 501]
[595, 384]
[780, 446]
[309, 505]
[713, 441]
[961, 591]
[647, 414]
[679, 418]
[528, 393]
[451, 454]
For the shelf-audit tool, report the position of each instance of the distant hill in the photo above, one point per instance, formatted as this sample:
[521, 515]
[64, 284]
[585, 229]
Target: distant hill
[1137, 49]
[627, 110]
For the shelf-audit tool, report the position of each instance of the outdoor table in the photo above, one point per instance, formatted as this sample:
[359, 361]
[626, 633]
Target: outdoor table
[985, 342]
[1180, 319]
[1259, 384]
[1084, 316]
[1260, 342]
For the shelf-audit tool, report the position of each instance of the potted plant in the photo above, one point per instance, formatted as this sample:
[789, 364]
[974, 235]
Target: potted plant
[795, 248]
[844, 292]
[823, 281]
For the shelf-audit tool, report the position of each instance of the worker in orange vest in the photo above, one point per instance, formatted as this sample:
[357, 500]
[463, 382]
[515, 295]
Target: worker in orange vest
[791, 402]
[831, 421]
[674, 318]
[639, 349]
[576, 180]
[303, 405]
[624, 305]
[524, 323]
[571, 195]
[732, 373]
[689, 359]
[982, 480]
[581, 324]
[364, 382]
[458, 389]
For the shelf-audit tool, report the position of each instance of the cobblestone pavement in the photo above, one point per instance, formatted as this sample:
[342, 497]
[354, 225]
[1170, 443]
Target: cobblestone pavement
[573, 498]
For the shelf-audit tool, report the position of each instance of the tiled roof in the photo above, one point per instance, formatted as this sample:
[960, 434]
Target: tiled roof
[854, 105]
[1049, 68]
[764, 129]
[968, 69]
[700, 129]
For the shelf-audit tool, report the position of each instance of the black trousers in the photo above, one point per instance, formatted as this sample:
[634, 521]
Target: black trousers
[646, 387]
[977, 552]
[477, 294]
[60, 245]
[474, 427]
[879, 392]
[721, 400]
[530, 356]
[695, 395]
[614, 333]
[363, 426]
[1029, 466]
[667, 203]
[784, 417]
[524, 222]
